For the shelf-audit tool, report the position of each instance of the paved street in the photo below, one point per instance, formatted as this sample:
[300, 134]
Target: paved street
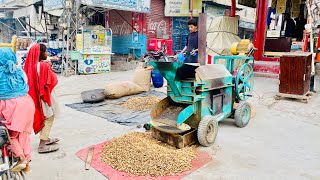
[281, 142]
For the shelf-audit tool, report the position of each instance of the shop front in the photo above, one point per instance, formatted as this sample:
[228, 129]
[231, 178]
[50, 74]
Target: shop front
[124, 18]
[279, 28]
[159, 28]
[137, 32]
[181, 11]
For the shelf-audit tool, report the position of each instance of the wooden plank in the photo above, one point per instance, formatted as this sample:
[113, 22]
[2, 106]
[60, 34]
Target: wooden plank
[273, 53]
[177, 140]
[202, 38]
[89, 158]
[283, 77]
[304, 97]
[308, 74]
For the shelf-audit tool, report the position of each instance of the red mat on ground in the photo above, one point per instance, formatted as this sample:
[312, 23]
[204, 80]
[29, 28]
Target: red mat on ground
[200, 160]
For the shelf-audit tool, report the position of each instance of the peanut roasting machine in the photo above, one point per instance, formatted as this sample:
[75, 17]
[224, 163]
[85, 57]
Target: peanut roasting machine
[198, 97]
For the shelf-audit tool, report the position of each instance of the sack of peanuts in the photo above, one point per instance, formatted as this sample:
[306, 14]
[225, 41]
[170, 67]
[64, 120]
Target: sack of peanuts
[142, 77]
[120, 89]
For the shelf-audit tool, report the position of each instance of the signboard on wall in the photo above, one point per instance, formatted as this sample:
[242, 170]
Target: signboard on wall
[94, 40]
[142, 6]
[180, 31]
[181, 8]
[96, 63]
[49, 5]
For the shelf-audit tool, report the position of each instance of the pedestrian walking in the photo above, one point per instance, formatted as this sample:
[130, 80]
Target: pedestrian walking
[42, 81]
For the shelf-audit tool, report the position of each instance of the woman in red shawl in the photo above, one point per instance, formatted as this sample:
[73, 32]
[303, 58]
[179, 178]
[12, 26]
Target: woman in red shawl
[42, 80]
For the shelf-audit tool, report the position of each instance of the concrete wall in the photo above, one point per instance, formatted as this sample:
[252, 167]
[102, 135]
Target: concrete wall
[121, 44]
[214, 10]
[158, 22]
[122, 24]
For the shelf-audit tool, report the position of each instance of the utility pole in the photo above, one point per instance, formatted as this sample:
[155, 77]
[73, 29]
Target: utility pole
[202, 38]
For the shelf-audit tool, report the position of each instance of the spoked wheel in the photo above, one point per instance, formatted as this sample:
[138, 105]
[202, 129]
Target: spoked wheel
[9, 175]
[242, 114]
[244, 82]
[207, 131]
[14, 176]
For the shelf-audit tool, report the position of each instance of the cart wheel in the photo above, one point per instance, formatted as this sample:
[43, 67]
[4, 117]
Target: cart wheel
[207, 131]
[244, 82]
[242, 114]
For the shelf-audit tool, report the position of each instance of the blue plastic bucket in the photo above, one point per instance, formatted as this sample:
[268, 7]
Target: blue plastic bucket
[157, 79]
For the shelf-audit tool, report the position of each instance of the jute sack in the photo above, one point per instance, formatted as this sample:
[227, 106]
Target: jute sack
[142, 77]
[120, 89]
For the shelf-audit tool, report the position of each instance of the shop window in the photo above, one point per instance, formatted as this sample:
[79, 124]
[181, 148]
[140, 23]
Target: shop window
[284, 28]
[244, 33]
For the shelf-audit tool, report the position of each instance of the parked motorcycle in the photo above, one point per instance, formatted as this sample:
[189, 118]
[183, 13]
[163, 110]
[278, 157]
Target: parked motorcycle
[55, 59]
[56, 62]
[23, 60]
[159, 55]
[7, 160]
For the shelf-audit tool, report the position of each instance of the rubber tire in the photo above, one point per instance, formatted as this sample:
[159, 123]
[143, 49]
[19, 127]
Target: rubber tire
[238, 115]
[17, 176]
[202, 132]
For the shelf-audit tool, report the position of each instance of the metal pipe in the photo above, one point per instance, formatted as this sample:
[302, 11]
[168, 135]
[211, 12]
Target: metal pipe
[233, 8]
[202, 37]
[24, 27]
[7, 26]
[311, 37]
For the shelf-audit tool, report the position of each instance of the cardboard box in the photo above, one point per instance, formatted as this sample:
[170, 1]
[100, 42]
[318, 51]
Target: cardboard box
[295, 14]
[281, 3]
[296, 2]
[281, 9]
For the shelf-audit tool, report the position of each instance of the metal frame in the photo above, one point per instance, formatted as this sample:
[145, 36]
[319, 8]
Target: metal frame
[230, 60]
[71, 15]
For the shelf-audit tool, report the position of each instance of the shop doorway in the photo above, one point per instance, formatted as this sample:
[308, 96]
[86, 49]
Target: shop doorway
[285, 21]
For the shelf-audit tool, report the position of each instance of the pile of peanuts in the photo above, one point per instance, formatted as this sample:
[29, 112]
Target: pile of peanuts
[141, 155]
[141, 103]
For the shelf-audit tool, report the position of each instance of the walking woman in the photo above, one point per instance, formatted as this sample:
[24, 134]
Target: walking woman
[42, 81]
[16, 108]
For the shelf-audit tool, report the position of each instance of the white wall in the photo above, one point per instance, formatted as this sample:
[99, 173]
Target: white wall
[247, 14]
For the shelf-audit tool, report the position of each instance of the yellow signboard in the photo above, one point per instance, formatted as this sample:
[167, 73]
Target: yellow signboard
[95, 39]
[183, 7]
[79, 42]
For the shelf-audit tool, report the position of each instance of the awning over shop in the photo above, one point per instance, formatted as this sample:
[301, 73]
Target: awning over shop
[24, 12]
[246, 25]
[16, 4]
[51, 5]
[57, 12]
[248, 3]
[31, 13]
[142, 6]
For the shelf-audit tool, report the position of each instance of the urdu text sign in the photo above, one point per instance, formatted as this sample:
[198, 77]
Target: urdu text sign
[181, 8]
